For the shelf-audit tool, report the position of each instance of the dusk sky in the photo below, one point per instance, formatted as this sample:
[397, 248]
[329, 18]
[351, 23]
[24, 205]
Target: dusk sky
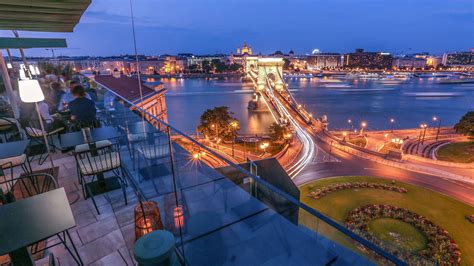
[220, 26]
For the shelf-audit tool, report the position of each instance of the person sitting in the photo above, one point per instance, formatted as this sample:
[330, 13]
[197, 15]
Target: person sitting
[83, 111]
[29, 116]
[67, 96]
[56, 93]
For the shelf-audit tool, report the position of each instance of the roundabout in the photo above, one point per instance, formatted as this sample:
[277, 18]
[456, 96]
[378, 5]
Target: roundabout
[414, 222]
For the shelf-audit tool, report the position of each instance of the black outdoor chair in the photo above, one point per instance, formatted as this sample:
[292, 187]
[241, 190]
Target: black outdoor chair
[9, 129]
[37, 136]
[25, 186]
[93, 163]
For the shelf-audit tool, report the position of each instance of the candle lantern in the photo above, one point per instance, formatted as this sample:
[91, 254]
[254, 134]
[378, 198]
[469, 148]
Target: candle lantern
[178, 216]
[147, 218]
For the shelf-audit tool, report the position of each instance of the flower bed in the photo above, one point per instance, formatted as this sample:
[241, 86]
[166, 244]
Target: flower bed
[321, 192]
[440, 249]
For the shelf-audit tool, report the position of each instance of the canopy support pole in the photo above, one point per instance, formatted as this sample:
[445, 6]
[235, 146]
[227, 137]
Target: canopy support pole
[8, 86]
[22, 52]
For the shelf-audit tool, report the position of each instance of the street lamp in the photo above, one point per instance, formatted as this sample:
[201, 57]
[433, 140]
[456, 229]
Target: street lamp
[363, 125]
[423, 127]
[439, 126]
[392, 122]
[344, 134]
[234, 124]
[217, 132]
[264, 146]
[349, 121]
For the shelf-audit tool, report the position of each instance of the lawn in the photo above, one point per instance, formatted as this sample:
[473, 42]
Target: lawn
[401, 234]
[459, 152]
[388, 147]
[359, 141]
[440, 209]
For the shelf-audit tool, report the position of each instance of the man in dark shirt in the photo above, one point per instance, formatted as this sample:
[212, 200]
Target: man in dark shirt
[82, 109]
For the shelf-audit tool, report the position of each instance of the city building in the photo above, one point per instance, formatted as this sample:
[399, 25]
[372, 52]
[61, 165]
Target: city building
[197, 60]
[409, 62]
[325, 60]
[459, 59]
[369, 60]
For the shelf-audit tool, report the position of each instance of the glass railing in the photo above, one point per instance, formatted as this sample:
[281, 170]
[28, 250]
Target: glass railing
[227, 214]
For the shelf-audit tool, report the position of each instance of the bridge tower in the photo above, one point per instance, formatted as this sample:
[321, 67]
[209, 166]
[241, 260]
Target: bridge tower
[251, 63]
[271, 68]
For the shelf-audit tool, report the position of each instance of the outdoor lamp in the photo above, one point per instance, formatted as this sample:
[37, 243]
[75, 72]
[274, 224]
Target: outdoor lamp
[30, 92]
[32, 70]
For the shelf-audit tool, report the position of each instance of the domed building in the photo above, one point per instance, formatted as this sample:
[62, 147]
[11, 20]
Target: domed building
[244, 50]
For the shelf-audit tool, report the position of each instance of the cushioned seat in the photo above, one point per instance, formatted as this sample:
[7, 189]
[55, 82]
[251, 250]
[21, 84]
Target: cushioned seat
[15, 161]
[98, 144]
[153, 152]
[36, 132]
[100, 163]
[6, 123]
[135, 137]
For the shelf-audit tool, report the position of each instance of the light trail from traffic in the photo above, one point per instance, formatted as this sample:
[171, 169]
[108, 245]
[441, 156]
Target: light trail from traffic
[308, 151]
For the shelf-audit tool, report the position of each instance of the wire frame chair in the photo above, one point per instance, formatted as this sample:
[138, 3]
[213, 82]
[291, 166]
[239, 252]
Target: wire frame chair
[93, 163]
[152, 148]
[37, 136]
[78, 125]
[9, 128]
[26, 185]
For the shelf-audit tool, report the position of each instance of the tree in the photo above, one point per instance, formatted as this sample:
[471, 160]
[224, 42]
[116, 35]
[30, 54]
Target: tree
[465, 126]
[206, 66]
[235, 67]
[286, 64]
[219, 123]
[278, 132]
[218, 65]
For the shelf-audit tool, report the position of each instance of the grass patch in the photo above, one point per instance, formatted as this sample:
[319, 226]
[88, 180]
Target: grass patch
[390, 146]
[444, 211]
[359, 141]
[398, 233]
[458, 152]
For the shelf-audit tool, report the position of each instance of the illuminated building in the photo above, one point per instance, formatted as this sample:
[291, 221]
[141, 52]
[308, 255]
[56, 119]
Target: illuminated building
[325, 60]
[244, 50]
[370, 60]
[461, 59]
[409, 62]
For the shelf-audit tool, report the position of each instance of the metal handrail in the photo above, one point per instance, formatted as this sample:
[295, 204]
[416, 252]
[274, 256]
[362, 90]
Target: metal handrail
[274, 189]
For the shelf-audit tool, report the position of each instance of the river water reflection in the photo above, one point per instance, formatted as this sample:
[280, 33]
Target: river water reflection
[409, 103]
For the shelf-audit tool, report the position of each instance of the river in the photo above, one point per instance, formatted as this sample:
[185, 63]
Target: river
[410, 103]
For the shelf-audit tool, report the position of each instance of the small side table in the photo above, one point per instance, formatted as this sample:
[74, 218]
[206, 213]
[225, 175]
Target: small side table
[155, 248]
